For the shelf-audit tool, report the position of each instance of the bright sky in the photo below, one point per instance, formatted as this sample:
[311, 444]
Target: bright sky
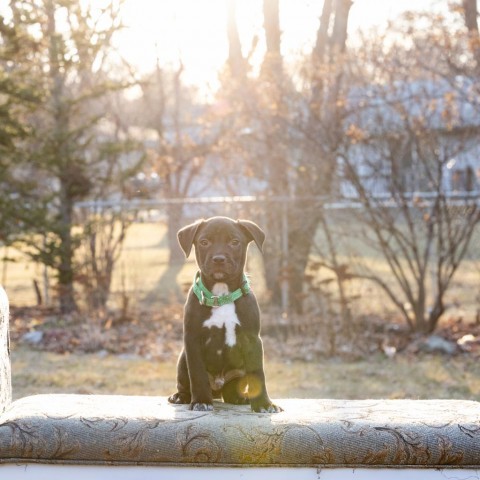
[194, 30]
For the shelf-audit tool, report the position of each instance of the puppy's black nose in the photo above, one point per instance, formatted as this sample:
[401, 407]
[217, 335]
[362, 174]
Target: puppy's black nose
[219, 259]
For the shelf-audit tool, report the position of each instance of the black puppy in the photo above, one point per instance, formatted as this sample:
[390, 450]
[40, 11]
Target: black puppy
[223, 352]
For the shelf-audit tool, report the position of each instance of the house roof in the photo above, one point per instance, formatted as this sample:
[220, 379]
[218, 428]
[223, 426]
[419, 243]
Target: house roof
[440, 104]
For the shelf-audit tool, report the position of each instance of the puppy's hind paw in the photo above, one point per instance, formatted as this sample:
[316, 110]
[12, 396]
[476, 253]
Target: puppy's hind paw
[179, 398]
[201, 407]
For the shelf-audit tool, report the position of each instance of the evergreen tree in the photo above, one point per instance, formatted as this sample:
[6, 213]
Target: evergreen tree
[59, 154]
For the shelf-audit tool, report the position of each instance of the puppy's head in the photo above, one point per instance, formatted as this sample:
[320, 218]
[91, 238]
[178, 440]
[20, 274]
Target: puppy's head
[220, 245]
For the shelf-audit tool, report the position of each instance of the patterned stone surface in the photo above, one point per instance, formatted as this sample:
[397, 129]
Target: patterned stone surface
[148, 430]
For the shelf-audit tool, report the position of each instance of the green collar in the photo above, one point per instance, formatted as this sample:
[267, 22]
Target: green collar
[208, 299]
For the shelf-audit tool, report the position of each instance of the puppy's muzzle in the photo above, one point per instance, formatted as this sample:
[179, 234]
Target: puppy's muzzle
[219, 259]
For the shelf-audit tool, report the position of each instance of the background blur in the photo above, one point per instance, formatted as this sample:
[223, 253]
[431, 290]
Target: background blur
[349, 131]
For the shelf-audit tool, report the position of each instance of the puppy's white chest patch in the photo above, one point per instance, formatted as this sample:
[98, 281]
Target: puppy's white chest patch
[224, 316]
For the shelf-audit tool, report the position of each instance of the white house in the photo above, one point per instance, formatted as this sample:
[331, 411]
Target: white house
[420, 136]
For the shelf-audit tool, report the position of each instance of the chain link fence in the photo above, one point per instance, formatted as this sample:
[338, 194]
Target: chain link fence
[341, 249]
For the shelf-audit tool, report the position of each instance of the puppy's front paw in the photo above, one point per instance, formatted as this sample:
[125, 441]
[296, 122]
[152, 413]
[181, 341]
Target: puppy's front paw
[267, 407]
[201, 407]
[179, 398]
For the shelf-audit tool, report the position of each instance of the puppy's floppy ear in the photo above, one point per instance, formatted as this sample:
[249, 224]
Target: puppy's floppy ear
[254, 232]
[186, 235]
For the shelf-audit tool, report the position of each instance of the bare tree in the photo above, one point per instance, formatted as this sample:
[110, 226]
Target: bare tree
[184, 140]
[321, 133]
[273, 86]
[406, 136]
[296, 150]
[102, 245]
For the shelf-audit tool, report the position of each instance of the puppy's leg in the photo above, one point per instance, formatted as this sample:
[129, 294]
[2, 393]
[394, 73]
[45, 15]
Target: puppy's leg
[183, 395]
[234, 392]
[202, 399]
[257, 389]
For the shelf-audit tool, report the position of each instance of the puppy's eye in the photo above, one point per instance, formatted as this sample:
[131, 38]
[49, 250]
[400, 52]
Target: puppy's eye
[204, 242]
[234, 242]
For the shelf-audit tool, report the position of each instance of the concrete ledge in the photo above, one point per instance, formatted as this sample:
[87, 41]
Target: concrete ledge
[128, 430]
[81, 472]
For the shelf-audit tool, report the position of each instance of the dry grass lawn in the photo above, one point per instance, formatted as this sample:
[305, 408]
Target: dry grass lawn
[425, 376]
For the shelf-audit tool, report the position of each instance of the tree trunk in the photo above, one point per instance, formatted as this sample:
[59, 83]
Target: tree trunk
[236, 61]
[340, 27]
[437, 311]
[301, 236]
[316, 176]
[421, 324]
[174, 179]
[273, 254]
[65, 269]
[470, 12]
[318, 53]
[272, 63]
[272, 72]
[59, 108]
[175, 215]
